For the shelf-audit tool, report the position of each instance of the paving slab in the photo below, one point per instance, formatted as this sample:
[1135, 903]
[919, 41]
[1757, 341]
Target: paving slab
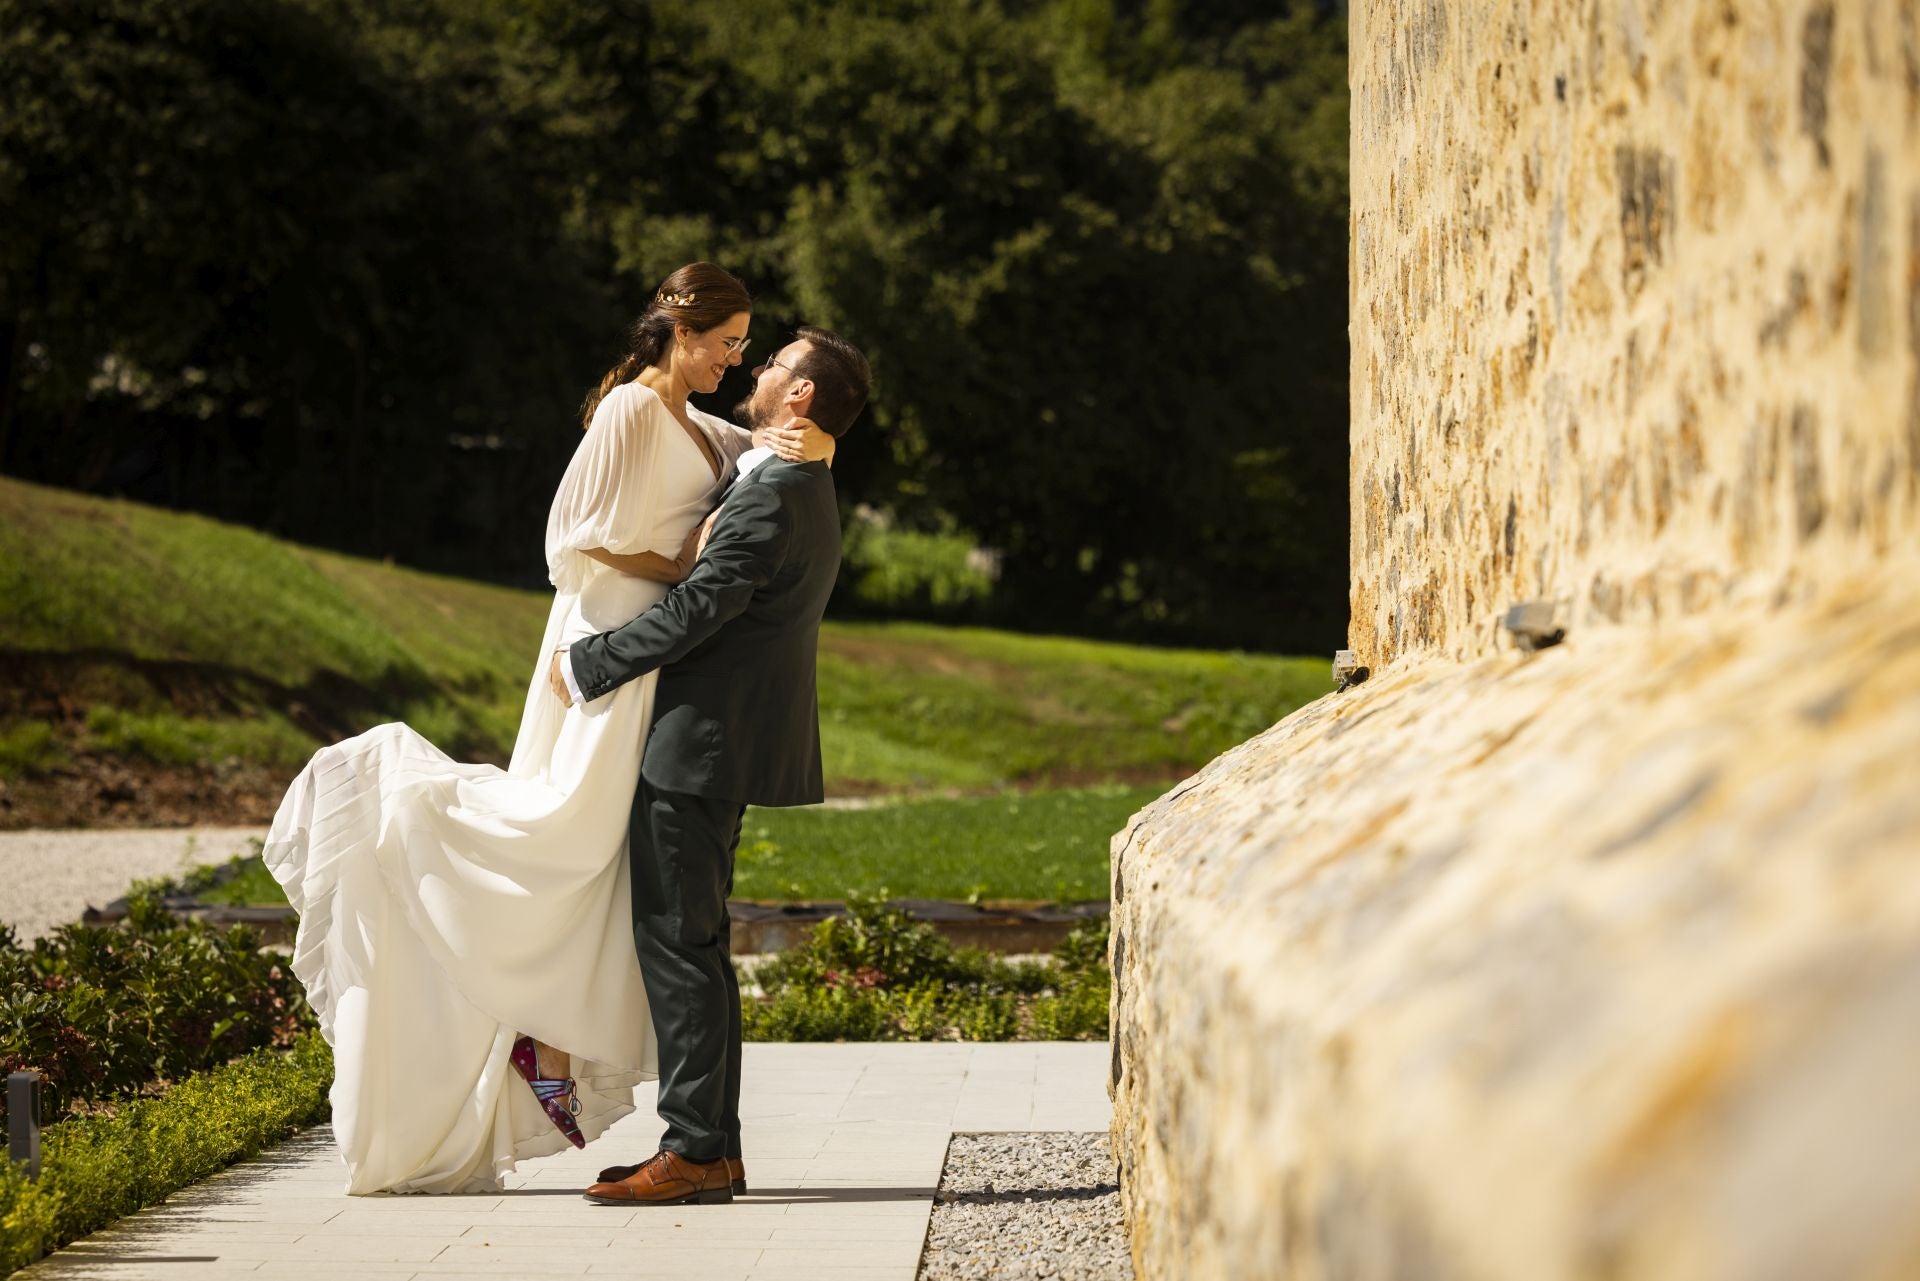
[844, 1147]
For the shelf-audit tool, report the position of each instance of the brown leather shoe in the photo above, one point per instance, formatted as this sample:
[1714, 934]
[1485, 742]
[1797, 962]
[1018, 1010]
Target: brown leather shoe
[736, 1171]
[667, 1178]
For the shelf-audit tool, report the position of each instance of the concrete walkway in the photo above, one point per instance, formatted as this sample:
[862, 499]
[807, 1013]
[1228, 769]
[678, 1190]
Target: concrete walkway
[844, 1146]
[48, 878]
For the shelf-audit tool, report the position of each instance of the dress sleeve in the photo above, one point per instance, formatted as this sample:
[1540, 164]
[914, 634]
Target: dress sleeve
[608, 498]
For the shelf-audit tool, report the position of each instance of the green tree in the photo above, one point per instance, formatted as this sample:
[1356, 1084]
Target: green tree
[342, 268]
[301, 243]
[1104, 303]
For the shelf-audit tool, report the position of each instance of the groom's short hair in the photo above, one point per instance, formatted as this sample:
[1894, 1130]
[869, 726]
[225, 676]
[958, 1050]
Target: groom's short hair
[841, 378]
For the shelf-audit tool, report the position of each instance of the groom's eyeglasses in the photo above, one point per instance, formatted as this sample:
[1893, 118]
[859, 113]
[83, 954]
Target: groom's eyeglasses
[769, 363]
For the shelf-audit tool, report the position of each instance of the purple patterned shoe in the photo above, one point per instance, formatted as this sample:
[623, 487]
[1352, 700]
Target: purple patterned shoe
[557, 1096]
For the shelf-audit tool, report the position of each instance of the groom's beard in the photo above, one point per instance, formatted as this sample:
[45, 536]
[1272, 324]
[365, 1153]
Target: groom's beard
[744, 415]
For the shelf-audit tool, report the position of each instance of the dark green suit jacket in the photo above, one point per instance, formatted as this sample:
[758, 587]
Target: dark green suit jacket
[735, 716]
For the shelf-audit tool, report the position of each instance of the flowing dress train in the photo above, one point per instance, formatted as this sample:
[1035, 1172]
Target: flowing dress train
[446, 908]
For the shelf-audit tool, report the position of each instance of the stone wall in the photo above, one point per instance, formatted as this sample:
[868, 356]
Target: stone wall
[1602, 962]
[1632, 306]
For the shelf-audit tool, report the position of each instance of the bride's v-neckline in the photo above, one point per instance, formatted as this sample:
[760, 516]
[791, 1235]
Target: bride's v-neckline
[709, 451]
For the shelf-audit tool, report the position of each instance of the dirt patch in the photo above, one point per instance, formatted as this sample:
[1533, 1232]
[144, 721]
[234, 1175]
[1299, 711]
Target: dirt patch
[102, 792]
[60, 686]
[1133, 776]
[104, 789]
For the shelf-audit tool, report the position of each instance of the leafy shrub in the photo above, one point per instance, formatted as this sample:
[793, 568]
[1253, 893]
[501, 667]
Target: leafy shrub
[871, 945]
[1076, 1012]
[988, 1016]
[908, 571]
[97, 1168]
[1084, 950]
[107, 1013]
[877, 974]
[815, 1014]
[922, 1012]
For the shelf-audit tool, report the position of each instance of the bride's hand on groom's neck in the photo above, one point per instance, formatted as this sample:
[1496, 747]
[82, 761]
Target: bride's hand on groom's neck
[798, 440]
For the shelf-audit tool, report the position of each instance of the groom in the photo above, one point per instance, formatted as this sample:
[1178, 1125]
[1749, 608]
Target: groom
[735, 723]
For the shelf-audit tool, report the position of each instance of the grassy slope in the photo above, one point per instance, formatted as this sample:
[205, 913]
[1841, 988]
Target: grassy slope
[149, 634]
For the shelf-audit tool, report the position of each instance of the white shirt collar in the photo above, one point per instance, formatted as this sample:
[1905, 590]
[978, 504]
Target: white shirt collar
[752, 459]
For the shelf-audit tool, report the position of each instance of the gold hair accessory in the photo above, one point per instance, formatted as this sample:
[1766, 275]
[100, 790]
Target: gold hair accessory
[676, 300]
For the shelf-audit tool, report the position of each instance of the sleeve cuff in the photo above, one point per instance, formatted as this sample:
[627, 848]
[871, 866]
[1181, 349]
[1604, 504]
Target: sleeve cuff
[566, 674]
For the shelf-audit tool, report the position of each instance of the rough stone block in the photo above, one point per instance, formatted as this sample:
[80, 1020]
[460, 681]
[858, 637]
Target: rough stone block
[1602, 963]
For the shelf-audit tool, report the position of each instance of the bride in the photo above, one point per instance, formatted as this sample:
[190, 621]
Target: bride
[459, 922]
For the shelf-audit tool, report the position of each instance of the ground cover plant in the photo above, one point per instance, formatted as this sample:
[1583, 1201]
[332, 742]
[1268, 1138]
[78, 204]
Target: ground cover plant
[161, 667]
[876, 974]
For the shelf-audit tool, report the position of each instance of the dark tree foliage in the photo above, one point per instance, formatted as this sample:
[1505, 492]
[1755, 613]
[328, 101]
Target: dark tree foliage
[270, 259]
[343, 268]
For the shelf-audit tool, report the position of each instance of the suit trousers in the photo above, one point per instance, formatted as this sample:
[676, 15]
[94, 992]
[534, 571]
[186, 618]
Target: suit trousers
[682, 848]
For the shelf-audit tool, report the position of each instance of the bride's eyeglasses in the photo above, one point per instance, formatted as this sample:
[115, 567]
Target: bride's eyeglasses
[735, 346]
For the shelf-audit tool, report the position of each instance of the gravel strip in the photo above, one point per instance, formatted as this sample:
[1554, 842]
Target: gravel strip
[1028, 1205]
[49, 878]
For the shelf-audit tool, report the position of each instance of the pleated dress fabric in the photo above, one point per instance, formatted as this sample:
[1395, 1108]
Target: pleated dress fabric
[446, 908]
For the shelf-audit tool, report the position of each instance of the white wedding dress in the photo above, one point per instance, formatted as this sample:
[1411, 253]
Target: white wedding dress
[447, 908]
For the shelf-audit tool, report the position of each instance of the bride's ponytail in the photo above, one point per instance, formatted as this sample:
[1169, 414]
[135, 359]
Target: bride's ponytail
[625, 372]
[700, 296]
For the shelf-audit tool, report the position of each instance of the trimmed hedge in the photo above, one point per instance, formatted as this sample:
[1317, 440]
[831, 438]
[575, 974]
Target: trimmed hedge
[94, 1169]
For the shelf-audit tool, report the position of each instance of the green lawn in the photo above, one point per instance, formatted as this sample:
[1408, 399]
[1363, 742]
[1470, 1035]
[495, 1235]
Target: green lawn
[1043, 845]
[137, 633]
